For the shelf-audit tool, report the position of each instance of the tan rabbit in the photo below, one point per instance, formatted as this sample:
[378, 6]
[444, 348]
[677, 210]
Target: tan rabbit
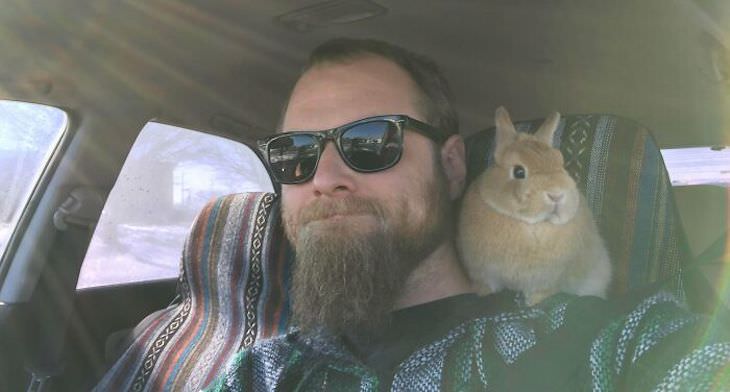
[525, 226]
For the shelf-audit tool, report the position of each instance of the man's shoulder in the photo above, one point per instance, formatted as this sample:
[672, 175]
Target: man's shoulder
[294, 343]
[636, 303]
[560, 308]
[573, 339]
[263, 362]
[277, 346]
[566, 325]
[272, 350]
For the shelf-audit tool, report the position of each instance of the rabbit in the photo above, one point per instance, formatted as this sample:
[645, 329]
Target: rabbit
[525, 226]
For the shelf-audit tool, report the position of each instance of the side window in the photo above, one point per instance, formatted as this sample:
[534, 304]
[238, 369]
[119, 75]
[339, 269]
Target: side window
[701, 182]
[29, 134]
[698, 165]
[170, 173]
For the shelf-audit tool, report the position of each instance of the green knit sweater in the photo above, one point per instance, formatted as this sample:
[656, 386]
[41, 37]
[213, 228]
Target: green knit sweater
[643, 343]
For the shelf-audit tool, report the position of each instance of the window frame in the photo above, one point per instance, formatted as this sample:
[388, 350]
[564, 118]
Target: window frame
[47, 172]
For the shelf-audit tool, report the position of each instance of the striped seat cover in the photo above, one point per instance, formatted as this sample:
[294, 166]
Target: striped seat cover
[232, 292]
[236, 263]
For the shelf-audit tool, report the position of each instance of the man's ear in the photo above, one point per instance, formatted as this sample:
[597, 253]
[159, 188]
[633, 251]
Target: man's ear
[453, 162]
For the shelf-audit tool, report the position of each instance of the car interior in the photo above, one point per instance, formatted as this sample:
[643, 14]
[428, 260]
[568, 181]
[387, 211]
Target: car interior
[635, 81]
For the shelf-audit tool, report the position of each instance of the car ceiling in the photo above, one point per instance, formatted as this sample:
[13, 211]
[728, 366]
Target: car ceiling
[227, 66]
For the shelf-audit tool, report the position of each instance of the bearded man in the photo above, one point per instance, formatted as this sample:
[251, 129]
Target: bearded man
[371, 164]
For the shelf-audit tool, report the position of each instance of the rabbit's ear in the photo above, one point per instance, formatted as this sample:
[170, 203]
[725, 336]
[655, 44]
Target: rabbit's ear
[548, 128]
[506, 132]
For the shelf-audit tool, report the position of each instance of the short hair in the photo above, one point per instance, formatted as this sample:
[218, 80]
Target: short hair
[435, 94]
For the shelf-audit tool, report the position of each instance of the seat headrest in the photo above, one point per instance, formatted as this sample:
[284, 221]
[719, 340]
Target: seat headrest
[232, 291]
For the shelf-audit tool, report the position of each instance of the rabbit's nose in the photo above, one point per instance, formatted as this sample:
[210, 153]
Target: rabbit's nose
[556, 197]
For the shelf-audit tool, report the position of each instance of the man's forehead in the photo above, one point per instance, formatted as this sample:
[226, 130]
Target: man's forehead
[331, 94]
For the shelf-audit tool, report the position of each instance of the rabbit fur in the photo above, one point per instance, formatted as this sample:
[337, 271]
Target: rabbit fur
[525, 226]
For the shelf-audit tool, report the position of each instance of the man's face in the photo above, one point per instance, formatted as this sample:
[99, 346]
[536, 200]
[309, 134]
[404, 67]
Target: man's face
[358, 236]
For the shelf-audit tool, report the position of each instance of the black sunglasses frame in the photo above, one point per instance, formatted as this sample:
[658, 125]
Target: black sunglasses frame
[401, 121]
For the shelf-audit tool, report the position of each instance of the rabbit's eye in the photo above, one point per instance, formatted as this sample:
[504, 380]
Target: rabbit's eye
[519, 172]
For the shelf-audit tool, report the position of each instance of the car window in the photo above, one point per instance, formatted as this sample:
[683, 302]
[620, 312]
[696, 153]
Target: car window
[698, 165]
[169, 174]
[29, 133]
[701, 180]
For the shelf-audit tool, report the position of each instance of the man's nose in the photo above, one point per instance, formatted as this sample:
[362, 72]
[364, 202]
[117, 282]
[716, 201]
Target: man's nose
[333, 177]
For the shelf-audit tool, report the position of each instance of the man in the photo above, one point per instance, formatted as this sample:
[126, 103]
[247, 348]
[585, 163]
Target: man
[369, 177]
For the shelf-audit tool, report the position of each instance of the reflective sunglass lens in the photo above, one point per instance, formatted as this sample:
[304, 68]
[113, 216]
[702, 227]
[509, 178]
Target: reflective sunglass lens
[293, 158]
[367, 146]
[371, 146]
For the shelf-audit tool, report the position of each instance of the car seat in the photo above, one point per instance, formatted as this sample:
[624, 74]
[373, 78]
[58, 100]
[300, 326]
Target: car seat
[234, 280]
[232, 291]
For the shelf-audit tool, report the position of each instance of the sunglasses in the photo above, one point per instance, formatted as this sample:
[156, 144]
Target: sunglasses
[366, 146]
